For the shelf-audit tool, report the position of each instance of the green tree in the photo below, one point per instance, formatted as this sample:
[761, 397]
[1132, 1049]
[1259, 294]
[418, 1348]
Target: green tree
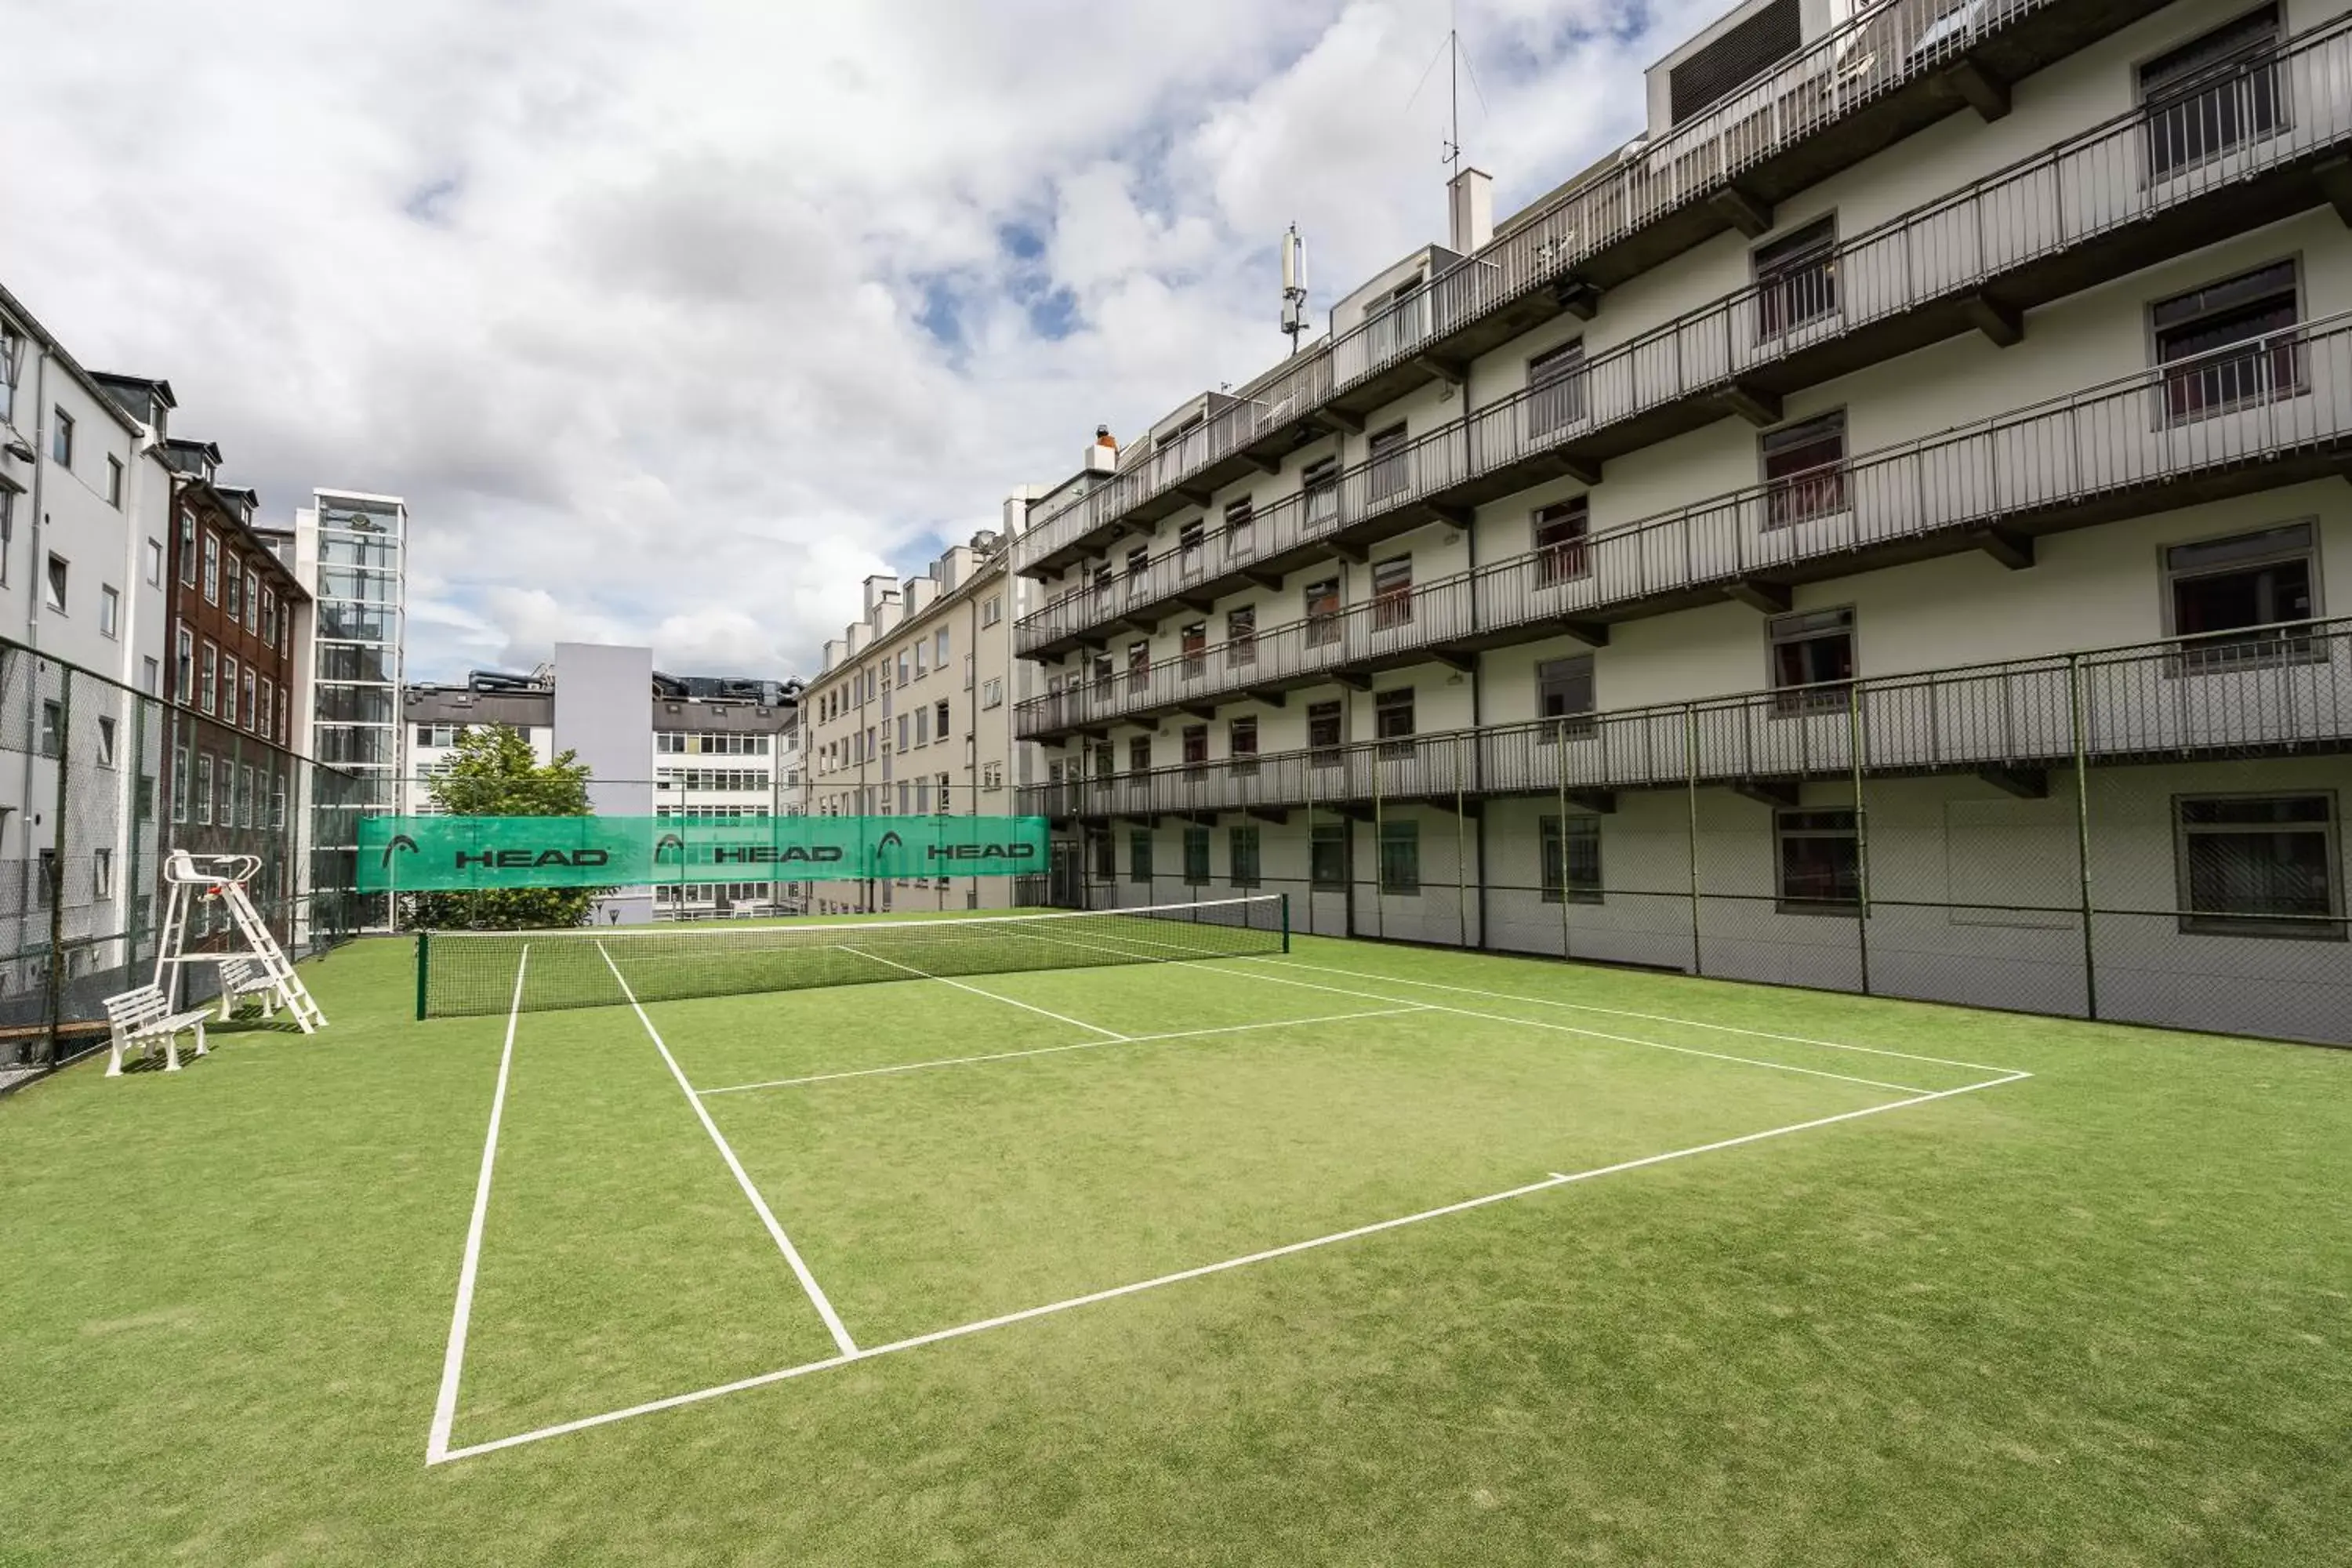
[494, 774]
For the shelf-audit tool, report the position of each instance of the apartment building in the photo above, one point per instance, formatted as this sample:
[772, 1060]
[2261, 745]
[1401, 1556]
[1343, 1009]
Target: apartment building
[235, 616]
[1875, 530]
[913, 712]
[710, 747]
[84, 513]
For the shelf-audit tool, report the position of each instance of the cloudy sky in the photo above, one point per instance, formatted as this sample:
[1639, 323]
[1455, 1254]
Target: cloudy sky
[673, 319]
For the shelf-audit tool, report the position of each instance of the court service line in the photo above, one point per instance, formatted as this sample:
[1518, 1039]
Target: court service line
[1598, 1034]
[925, 974]
[783, 1243]
[453, 1360]
[1050, 1050]
[1626, 1013]
[1554, 1179]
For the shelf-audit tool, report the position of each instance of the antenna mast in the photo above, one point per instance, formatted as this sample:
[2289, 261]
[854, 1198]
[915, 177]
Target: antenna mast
[1294, 285]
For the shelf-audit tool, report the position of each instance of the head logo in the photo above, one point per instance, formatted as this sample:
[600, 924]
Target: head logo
[400, 841]
[667, 842]
[889, 843]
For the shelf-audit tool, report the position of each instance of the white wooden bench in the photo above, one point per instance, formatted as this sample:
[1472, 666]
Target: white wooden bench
[141, 1018]
[244, 977]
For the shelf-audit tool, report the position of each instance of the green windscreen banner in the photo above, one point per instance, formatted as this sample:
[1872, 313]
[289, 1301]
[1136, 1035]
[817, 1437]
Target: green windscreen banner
[432, 854]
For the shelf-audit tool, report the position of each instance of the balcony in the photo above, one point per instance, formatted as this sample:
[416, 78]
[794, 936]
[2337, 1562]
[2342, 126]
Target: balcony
[2255, 415]
[2263, 691]
[2079, 215]
[1889, 72]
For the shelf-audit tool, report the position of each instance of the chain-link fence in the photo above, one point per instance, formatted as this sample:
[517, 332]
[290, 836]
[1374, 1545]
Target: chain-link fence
[99, 784]
[2153, 834]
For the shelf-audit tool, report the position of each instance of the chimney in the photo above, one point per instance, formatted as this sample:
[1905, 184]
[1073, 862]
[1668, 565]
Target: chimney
[920, 591]
[1102, 458]
[1016, 508]
[1470, 203]
[879, 591]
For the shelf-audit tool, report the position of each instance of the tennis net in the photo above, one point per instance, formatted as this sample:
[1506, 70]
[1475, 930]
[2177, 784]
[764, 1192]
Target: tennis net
[460, 973]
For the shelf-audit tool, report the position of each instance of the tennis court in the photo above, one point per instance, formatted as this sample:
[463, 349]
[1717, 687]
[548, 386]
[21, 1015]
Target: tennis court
[881, 1137]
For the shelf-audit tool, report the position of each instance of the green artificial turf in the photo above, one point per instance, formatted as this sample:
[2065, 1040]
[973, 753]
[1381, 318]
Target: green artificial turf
[2099, 1315]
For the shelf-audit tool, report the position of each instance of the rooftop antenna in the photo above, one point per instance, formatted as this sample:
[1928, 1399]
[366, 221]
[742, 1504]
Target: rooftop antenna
[1457, 65]
[1294, 285]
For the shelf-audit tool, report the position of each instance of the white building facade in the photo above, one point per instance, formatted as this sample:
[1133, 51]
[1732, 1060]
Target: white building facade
[1877, 530]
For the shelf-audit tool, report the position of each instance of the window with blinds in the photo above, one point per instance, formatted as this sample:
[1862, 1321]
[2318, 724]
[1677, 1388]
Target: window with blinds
[1735, 59]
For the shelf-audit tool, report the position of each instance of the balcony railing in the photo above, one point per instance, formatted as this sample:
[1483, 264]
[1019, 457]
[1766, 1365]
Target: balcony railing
[2238, 694]
[2101, 444]
[1886, 46]
[2102, 182]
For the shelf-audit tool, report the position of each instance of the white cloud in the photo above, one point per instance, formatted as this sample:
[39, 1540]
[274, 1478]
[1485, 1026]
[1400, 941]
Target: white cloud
[672, 322]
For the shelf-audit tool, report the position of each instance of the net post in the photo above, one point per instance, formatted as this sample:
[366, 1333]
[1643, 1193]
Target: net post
[423, 959]
[1285, 924]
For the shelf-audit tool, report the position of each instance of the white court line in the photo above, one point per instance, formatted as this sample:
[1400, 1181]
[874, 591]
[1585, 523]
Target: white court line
[783, 1243]
[960, 1331]
[1050, 1050]
[453, 1361]
[923, 974]
[1594, 1034]
[1625, 1013]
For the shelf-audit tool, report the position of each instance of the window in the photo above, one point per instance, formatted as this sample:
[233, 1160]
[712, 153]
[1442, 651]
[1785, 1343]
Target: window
[991, 610]
[58, 571]
[1105, 760]
[1392, 721]
[1241, 744]
[1196, 746]
[46, 883]
[1138, 854]
[1571, 859]
[212, 567]
[1821, 861]
[1564, 699]
[992, 692]
[1556, 389]
[2247, 598]
[1139, 754]
[992, 775]
[1240, 521]
[7, 528]
[1400, 855]
[101, 861]
[1811, 660]
[2232, 344]
[154, 562]
[1324, 727]
[151, 677]
[2212, 93]
[1241, 856]
[2259, 865]
[1804, 470]
[923, 726]
[1319, 481]
[247, 716]
[105, 741]
[269, 706]
[1105, 868]
[268, 627]
[1138, 666]
[253, 604]
[180, 784]
[205, 692]
[61, 438]
[1139, 572]
[940, 717]
[188, 546]
[1193, 642]
[114, 481]
[1561, 534]
[1323, 613]
[1734, 59]
[1327, 855]
[11, 342]
[921, 666]
[1190, 541]
[110, 611]
[905, 721]
[203, 789]
[940, 648]
[1796, 279]
[184, 665]
[1196, 856]
[1390, 467]
[1240, 638]
[53, 728]
[1393, 592]
[906, 667]
[228, 688]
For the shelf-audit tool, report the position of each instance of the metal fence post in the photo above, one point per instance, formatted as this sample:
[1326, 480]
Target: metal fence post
[1560, 776]
[1855, 734]
[1690, 781]
[2076, 704]
[1461, 854]
[56, 988]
